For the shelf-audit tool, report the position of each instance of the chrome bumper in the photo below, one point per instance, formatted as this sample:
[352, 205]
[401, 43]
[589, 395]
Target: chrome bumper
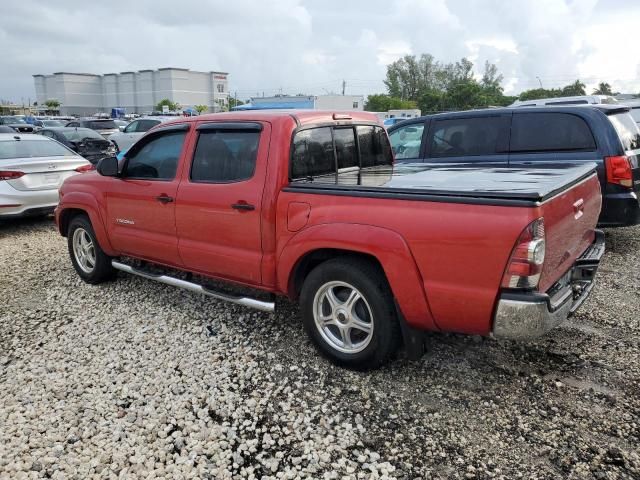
[530, 315]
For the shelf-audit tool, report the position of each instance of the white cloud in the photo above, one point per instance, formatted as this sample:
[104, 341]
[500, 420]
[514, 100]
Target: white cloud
[309, 46]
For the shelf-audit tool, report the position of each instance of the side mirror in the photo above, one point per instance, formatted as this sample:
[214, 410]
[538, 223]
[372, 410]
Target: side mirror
[108, 167]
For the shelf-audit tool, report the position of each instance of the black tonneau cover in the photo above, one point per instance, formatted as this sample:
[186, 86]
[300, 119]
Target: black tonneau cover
[487, 185]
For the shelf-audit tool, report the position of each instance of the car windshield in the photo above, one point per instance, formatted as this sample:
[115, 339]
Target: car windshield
[32, 148]
[14, 120]
[635, 114]
[79, 134]
[101, 124]
[52, 123]
[627, 130]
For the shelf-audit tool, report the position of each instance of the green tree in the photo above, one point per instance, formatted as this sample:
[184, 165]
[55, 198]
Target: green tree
[201, 109]
[382, 103]
[173, 106]
[234, 103]
[574, 89]
[52, 104]
[436, 86]
[603, 89]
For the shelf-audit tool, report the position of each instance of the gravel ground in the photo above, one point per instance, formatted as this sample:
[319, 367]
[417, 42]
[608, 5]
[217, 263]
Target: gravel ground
[133, 379]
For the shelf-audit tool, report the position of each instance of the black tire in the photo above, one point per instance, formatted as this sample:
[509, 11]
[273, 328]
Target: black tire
[370, 282]
[102, 270]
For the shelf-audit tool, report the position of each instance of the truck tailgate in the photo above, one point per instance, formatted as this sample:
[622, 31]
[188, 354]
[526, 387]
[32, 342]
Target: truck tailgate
[570, 218]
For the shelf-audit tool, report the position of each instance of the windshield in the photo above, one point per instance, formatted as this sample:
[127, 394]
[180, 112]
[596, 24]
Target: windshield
[627, 130]
[52, 123]
[14, 120]
[32, 148]
[101, 124]
[635, 114]
[79, 134]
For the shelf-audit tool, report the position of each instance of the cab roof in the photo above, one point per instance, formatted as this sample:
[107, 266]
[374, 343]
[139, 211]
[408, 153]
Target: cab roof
[301, 117]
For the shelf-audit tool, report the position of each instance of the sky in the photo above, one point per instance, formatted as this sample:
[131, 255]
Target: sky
[311, 46]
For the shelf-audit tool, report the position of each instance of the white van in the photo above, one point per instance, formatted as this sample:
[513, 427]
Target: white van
[578, 100]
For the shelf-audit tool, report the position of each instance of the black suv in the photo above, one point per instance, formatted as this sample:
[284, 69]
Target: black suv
[528, 136]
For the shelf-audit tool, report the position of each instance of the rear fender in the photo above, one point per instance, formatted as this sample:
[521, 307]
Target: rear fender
[87, 203]
[387, 246]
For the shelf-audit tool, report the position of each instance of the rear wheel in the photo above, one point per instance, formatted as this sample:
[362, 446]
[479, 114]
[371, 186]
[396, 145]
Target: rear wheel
[348, 311]
[90, 262]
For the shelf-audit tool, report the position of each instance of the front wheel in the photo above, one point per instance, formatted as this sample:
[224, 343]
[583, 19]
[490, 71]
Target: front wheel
[348, 311]
[88, 259]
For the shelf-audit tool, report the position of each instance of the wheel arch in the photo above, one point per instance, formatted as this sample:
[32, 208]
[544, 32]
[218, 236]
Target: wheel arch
[81, 203]
[385, 248]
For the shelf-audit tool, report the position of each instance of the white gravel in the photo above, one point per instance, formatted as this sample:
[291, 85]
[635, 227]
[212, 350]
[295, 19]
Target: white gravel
[133, 379]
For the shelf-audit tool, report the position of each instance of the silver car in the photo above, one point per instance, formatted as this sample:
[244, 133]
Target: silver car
[32, 168]
[134, 131]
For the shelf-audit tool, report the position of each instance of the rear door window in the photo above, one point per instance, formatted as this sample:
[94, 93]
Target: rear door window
[544, 132]
[459, 137]
[627, 130]
[406, 141]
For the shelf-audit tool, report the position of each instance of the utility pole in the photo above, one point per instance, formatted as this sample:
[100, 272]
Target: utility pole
[344, 85]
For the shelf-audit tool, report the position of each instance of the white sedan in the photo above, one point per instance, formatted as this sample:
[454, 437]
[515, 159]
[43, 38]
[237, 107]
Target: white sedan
[32, 168]
[134, 131]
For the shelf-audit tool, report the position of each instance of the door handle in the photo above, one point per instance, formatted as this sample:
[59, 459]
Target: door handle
[164, 198]
[243, 206]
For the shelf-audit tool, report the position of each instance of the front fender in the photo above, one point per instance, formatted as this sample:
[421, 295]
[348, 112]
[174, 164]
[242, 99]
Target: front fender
[88, 203]
[387, 246]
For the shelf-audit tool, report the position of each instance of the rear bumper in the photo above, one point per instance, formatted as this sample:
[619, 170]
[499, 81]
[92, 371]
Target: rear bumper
[619, 210]
[531, 315]
[17, 203]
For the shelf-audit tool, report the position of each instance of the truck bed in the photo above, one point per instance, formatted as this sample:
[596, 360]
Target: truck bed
[485, 185]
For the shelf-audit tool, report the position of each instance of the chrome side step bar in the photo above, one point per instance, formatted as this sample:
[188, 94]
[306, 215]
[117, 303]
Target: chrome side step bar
[194, 287]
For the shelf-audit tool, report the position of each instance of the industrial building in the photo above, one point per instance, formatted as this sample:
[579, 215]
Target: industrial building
[137, 92]
[313, 102]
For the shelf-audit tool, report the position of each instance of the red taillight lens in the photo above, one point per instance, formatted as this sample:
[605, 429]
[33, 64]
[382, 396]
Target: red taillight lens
[10, 174]
[85, 168]
[525, 264]
[619, 171]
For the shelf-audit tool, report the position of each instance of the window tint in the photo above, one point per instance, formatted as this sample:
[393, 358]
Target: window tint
[627, 130]
[345, 147]
[374, 147]
[465, 136]
[157, 158]
[533, 132]
[406, 141]
[313, 154]
[225, 156]
[145, 125]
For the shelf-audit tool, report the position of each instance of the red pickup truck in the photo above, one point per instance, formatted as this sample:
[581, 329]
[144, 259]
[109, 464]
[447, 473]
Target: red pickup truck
[310, 206]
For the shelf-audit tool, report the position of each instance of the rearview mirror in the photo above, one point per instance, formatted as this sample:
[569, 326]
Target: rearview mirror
[108, 167]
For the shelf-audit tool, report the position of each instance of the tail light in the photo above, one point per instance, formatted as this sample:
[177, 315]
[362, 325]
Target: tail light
[10, 174]
[619, 171]
[525, 264]
[85, 168]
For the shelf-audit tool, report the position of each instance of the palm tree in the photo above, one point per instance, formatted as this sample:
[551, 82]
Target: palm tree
[603, 89]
